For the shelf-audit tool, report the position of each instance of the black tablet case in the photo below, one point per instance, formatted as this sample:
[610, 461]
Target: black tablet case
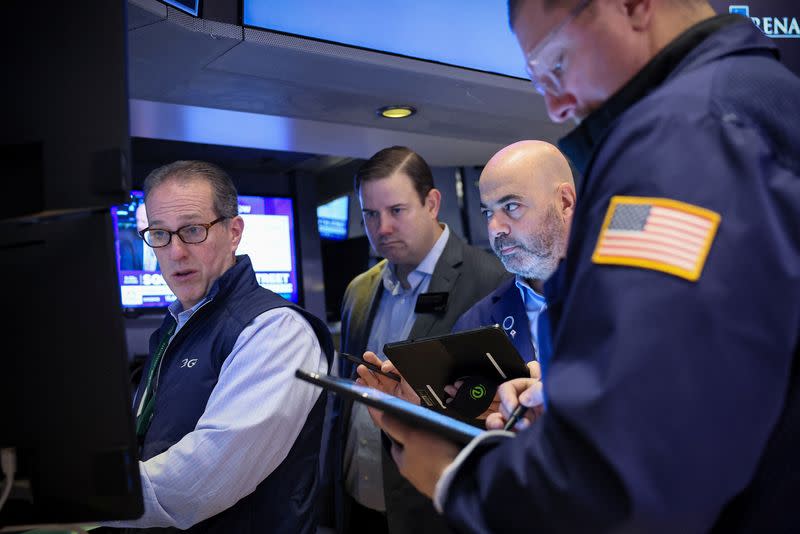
[428, 364]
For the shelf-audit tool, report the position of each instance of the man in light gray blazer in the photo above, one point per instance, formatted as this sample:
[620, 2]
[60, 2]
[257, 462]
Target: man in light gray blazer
[429, 277]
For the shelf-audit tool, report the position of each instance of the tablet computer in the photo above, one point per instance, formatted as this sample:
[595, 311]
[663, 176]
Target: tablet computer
[429, 364]
[452, 429]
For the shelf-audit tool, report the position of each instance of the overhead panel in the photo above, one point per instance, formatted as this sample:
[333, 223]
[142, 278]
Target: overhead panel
[473, 34]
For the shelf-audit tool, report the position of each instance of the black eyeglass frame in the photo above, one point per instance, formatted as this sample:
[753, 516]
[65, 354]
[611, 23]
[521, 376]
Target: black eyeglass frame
[177, 232]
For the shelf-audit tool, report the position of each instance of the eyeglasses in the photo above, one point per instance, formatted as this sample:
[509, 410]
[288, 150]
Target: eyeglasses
[191, 234]
[547, 79]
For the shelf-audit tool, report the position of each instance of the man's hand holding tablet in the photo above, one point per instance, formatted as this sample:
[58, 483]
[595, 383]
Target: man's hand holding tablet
[399, 389]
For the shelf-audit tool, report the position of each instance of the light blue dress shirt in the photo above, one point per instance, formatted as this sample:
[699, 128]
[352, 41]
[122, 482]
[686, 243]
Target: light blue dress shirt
[251, 420]
[393, 321]
[534, 306]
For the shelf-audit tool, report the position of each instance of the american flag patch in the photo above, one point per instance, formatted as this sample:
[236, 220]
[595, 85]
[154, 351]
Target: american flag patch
[656, 233]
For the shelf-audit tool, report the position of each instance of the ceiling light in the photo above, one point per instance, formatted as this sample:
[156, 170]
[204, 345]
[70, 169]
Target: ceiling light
[396, 112]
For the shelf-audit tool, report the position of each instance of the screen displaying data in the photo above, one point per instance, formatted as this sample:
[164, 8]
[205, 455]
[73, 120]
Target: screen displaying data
[268, 239]
[332, 218]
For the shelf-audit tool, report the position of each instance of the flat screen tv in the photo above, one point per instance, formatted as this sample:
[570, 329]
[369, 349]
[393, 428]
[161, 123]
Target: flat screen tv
[191, 7]
[332, 218]
[268, 239]
[470, 34]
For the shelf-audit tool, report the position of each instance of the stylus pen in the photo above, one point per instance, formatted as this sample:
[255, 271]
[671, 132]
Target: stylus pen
[516, 415]
[371, 366]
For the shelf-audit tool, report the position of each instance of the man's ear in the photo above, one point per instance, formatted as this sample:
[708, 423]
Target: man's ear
[236, 227]
[433, 201]
[640, 13]
[566, 200]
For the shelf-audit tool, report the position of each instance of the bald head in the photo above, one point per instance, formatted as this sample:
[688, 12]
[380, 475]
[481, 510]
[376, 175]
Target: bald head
[528, 198]
[538, 162]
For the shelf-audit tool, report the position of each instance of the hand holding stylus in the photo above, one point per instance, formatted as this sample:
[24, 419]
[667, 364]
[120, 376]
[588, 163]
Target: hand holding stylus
[521, 402]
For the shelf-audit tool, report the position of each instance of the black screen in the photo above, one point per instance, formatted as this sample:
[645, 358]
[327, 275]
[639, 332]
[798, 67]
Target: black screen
[65, 399]
[341, 262]
[64, 102]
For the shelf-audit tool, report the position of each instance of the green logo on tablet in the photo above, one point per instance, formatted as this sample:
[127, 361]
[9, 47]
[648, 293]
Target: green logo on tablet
[477, 392]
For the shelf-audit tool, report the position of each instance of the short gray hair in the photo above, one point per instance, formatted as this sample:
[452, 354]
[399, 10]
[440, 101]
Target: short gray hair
[226, 200]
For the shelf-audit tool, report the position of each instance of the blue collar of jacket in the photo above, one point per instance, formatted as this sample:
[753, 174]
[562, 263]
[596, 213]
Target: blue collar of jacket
[704, 42]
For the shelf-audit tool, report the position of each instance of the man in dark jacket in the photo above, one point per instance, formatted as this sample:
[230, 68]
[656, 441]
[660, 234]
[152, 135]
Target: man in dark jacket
[528, 199]
[671, 372]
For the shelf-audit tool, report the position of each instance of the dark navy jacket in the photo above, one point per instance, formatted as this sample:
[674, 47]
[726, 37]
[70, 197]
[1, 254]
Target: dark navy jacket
[285, 500]
[673, 406]
[502, 306]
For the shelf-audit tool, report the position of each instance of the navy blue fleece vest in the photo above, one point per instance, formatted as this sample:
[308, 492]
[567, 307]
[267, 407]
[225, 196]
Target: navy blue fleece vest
[285, 500]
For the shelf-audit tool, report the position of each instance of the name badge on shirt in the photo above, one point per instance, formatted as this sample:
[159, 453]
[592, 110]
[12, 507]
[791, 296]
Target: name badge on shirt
[431, 302]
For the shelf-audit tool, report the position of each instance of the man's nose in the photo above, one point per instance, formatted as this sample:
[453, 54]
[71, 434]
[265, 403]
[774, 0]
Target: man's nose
[497, 226]
[384, 225]
[176, 248]
[560, 107]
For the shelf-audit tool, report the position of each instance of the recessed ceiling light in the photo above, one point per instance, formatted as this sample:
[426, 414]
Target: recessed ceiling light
[396, 112]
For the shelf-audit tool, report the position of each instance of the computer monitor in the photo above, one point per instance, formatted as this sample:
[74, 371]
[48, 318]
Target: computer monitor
[64, 139]
[191, 7]
[65, 399]
[268, 239]
[473, 35]
[332, 218]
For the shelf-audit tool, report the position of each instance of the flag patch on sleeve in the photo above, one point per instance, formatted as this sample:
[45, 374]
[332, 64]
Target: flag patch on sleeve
[656, 233]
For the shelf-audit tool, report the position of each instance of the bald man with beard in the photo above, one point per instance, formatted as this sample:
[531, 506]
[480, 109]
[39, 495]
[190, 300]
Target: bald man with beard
[528, 198]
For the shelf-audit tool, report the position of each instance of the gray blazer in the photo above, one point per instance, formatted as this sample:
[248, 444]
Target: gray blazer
[467, 274]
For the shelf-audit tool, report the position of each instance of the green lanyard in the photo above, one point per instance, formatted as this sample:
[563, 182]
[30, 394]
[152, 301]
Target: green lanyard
[149, 396]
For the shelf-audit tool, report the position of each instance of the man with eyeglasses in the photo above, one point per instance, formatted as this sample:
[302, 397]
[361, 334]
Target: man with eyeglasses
[229, 440]
[670, 348]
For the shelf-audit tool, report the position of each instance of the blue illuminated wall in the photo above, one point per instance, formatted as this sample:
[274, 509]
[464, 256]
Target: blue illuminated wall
[465, 33]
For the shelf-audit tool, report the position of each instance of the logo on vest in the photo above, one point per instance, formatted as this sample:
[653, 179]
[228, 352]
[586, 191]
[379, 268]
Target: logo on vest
[775, 27]
[508, 324]
[186, 362]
